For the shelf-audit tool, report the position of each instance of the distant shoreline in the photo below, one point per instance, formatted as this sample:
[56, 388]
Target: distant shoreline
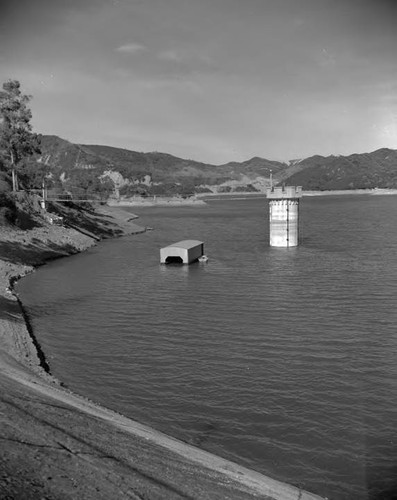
[200, 198]
[154, 202]
[335, 192]
[374, 191]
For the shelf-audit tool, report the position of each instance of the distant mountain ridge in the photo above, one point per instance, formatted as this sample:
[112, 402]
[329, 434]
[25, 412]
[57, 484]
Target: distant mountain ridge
[356, 171]
[155, 173]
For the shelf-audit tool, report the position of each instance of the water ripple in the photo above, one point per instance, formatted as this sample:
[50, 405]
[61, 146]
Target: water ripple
[284, 361]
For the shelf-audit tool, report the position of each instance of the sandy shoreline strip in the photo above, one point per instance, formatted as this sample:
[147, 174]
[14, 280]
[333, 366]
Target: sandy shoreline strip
[200, 199]
[140, 201]
[56, 444]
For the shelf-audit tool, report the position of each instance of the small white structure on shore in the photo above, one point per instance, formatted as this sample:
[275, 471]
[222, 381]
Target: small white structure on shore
[183, 252]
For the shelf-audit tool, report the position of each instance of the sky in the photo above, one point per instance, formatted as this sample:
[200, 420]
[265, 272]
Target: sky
[209, 80]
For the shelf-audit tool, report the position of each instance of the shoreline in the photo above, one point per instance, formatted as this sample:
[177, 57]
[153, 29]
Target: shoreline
[374, 191]
[335, 192]
[155, 202]
[200, 198]
[67, 445]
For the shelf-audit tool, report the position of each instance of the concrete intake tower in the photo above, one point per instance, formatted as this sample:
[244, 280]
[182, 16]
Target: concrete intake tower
[284, 215]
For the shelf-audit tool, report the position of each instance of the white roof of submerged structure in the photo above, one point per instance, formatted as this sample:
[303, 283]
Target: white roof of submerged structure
[186, 244]
[186, 252]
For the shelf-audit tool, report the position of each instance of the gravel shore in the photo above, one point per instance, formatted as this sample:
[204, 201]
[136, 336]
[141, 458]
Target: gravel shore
[58, 445]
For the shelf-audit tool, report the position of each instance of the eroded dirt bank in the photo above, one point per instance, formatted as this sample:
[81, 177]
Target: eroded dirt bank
[57, 445]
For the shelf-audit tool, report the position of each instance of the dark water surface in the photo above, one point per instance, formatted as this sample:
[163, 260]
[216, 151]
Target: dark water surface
[282, 360]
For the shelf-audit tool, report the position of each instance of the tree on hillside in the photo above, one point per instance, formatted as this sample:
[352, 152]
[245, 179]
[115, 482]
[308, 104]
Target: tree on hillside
[86, 183]
[34, 174]
[17, 141]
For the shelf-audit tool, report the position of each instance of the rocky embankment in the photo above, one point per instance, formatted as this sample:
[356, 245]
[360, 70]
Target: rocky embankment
[57, 445]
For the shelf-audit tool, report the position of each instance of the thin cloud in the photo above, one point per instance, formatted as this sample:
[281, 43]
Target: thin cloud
[185, 62]
[185, 56]
[171, 55]
[131, 48]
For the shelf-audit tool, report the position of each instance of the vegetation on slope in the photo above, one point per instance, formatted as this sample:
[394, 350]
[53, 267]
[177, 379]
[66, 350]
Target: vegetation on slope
[147, 174]
[357, 171]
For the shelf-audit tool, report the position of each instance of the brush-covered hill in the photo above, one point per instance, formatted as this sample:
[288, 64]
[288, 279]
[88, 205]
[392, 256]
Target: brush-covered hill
[137, 173]
[357, 171]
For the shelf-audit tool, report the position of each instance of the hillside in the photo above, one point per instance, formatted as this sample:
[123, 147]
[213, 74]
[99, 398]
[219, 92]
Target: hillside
[129, 173]
[357, 171]
[152, 173]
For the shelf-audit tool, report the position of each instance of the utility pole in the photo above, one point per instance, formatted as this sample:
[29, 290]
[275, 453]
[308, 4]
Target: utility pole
[43, 196]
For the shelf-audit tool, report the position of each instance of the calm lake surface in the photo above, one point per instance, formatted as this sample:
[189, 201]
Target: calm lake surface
[283, 360]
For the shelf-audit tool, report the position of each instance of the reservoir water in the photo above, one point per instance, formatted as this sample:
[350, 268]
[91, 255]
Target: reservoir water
[283, 360]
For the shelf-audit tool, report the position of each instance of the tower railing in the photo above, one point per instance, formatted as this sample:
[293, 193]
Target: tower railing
[284, 192]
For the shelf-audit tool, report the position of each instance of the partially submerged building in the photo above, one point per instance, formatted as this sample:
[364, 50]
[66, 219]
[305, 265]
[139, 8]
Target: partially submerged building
[284, 215]
[182, 252]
